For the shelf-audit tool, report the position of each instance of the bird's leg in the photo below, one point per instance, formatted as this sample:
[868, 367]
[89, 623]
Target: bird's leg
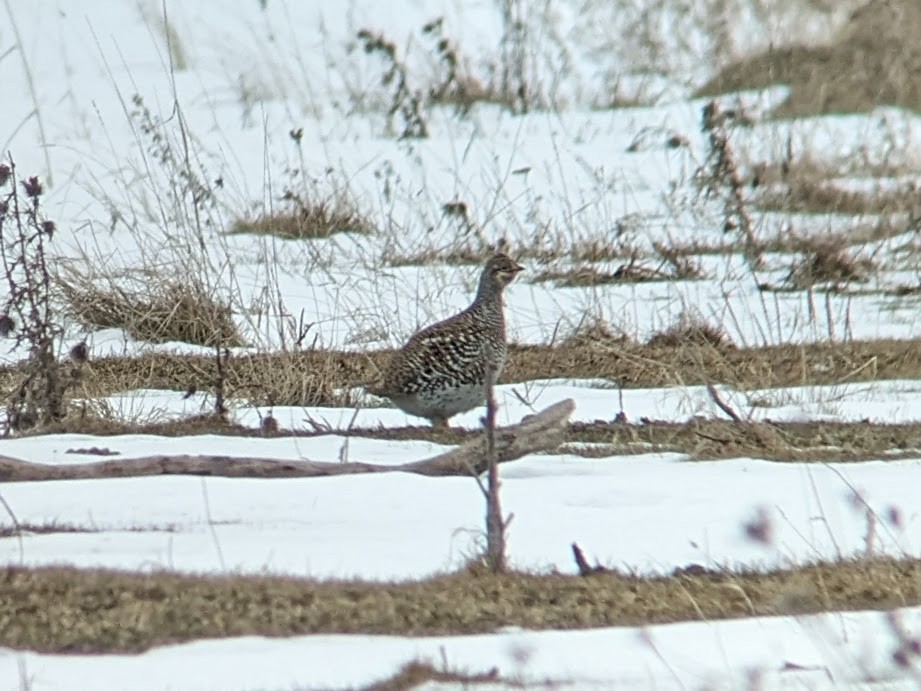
[439, 425]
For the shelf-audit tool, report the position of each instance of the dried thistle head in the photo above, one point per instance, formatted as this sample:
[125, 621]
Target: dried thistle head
[760, 529]
[79, 353]
[7, 325]
[5, 174]
[269, 424]
[32, 187]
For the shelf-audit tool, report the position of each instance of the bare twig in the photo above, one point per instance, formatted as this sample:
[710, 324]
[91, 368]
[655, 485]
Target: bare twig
[722, 405]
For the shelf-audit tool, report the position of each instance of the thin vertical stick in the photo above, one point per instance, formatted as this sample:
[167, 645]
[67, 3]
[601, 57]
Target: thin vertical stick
[495, 524]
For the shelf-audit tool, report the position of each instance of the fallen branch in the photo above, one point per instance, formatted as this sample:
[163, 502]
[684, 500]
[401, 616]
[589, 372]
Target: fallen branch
[540, 432]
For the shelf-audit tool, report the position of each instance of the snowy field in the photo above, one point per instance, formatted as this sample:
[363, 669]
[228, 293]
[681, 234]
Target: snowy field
[98, 98]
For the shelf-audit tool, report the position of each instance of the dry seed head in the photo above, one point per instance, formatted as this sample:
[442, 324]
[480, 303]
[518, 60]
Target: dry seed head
[32, 187]
[5, 174]
[760, 528]
[80, 353]
[7, 325]
[269, 424]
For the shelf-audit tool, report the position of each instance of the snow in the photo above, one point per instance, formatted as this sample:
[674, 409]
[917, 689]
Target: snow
[826, 651]
[624, 512]
[548, 183]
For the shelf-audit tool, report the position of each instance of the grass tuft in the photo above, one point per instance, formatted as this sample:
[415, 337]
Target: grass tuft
[308, 219]
[828, 262]
[161, 311]
[690, 330]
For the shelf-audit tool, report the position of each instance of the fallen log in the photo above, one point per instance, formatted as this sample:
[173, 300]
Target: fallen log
[540, 432]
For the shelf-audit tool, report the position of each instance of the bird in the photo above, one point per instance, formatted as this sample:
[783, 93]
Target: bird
[445, 368]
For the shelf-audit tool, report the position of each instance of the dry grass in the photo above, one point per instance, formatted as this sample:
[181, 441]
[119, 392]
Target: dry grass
[711, 439]
[698, 438]
[580, 251]
[827, 262]
[308, 219]
[872, 61]
[414, 674]
[152, 308]
[816, 196]
[60, 609]
[323, 377]
[689, 330]
[674, 266]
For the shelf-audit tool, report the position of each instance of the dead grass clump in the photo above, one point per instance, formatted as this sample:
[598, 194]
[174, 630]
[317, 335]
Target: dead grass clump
[155, 308]
[828, 263]
[308, 219]
[873, 61]
[690, 330]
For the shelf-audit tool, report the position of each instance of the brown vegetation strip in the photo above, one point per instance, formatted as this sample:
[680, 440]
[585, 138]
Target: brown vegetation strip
[699, 438]
[63, 609]
[870, 62]
[316, 377]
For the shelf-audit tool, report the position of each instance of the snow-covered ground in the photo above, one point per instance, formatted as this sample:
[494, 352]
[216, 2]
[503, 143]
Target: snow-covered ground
[244, 76]
[826, 651]
[649, 512]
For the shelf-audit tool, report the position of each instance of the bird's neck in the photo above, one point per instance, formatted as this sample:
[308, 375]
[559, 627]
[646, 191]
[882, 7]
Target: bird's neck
[488, 298]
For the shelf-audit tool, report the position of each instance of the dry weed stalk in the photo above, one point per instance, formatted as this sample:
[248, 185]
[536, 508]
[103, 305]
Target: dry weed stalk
[722, 178]
[405, 100]
[514, 56]
[28, 313]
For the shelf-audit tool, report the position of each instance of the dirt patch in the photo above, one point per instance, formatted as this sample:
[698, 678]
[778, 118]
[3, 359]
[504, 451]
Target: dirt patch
[873, 61]
[67, 610]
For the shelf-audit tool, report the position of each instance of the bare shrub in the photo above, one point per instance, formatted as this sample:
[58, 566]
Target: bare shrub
[720, 177]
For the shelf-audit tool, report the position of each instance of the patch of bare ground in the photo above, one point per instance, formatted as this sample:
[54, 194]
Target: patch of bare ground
[68, 610]
[872, 61]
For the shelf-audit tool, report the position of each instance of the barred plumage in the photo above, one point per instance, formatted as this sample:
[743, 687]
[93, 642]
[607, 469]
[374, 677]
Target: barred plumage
[443, 369]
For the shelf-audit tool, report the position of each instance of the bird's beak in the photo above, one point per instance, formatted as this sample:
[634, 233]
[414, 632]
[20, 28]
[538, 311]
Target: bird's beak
[518, 269]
